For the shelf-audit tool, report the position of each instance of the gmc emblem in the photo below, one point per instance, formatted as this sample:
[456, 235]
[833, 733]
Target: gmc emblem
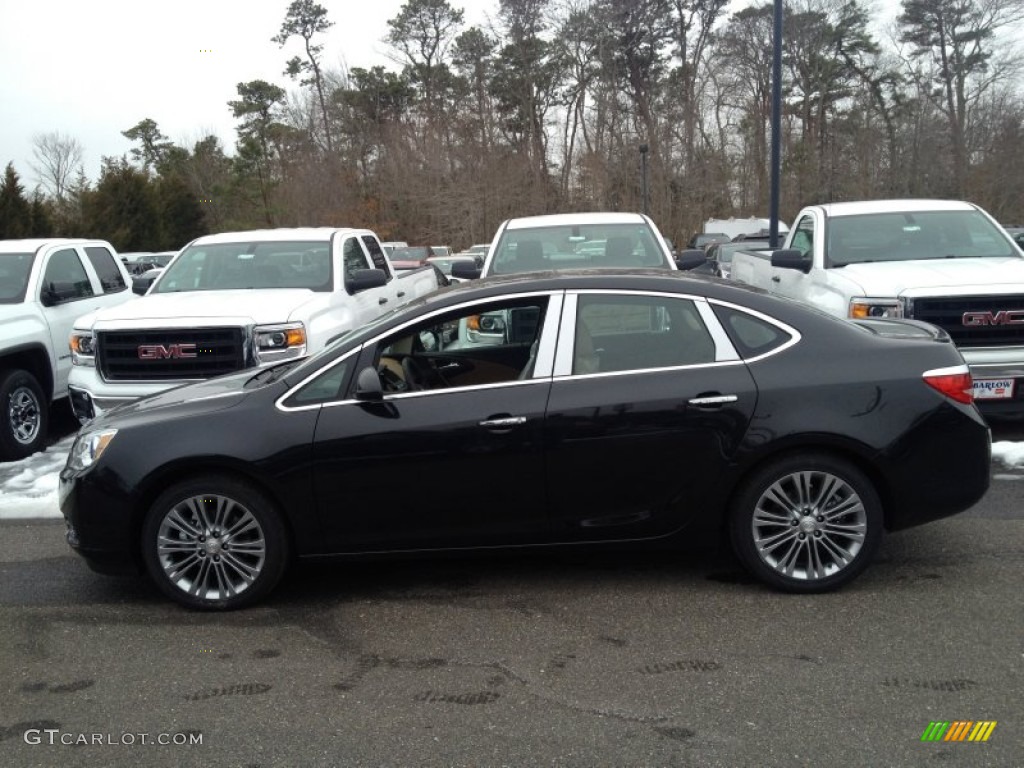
[160, 352]
[1002, 317]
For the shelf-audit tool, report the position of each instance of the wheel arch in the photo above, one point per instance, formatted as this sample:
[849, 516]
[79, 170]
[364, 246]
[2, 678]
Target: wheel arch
[164, 477]
[34, 359]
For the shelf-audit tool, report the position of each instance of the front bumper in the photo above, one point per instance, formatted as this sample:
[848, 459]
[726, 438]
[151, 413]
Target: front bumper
[99, 524]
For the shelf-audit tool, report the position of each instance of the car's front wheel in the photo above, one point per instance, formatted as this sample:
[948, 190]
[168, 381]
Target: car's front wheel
[806, 523]
[214, 542]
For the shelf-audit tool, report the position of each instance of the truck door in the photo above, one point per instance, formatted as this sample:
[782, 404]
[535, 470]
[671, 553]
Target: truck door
[370, 303]
[792, 283]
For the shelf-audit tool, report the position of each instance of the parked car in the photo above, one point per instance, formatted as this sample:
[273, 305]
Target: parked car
[143, 280]
[446, 263]
[410, 256]
[44, 285]
[390, 245]
[236, 301]
[1017, 233]
[719, 255]
[702, 240]
[643, 408]
[578, 240]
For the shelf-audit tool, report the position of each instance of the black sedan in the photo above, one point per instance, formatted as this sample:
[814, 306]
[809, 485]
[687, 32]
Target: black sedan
[595, 408]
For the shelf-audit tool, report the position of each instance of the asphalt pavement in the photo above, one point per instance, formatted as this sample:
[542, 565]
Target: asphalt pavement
[561, 660]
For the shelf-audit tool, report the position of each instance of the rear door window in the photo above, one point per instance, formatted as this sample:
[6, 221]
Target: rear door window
[103, 262]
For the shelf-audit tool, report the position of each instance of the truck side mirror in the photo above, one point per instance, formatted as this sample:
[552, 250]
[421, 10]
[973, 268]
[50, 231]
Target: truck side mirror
[466, 271]
[691, 258]
[362, 279]
[790, 258]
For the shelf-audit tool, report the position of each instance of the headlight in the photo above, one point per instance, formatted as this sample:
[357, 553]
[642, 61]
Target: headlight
[279, 342]
[83, 348]
[88, 448]
[861, 309]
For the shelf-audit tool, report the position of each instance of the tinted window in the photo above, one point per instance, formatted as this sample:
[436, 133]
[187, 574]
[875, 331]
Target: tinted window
[623, 333]
[751, 335]
[803, 238]
[103, 262]
[324, 388]
[14, 271]
[65, 277]
[353, 256]
[376, 254]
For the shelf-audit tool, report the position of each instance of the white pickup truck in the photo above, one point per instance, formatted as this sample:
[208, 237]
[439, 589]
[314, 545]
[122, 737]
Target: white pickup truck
[945, 262]
[233, 301]
[44, 285]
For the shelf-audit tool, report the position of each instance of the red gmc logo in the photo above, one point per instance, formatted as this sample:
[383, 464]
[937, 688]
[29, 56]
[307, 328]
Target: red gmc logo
[161, 352]
[1003, 317]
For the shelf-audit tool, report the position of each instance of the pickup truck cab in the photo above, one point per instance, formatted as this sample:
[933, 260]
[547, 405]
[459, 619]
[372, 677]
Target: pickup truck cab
[45, 285]
[578, 241]
[234, 301]
[945, 262]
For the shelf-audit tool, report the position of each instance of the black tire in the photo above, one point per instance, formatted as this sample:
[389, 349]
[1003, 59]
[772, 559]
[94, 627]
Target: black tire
[24, 415]
[806, 523]
[214, 543]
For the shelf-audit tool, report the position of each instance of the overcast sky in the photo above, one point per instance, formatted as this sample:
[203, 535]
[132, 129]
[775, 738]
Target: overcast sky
[94, 68]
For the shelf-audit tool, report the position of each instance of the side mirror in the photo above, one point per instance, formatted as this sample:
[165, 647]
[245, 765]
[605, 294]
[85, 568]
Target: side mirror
[790, 258]
[362, 279]
[690, 259]
[466, 271]
[368, 386]
[140, 285]
[55, 293]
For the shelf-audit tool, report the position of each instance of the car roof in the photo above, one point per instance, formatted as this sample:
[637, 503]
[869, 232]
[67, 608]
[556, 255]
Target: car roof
[35, 243]
[568, 219]
[894, 206]
[281, 234]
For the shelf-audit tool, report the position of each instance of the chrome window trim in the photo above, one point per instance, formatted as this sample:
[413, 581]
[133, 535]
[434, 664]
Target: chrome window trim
[279, 403]
[551, 295]
[724, 350]
[545, 361]
[794, 334]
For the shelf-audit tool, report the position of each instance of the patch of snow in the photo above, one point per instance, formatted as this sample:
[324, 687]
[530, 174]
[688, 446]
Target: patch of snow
[28, 487]
[1009, 453]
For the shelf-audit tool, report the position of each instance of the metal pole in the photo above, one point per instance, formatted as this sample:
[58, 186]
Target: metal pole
[643, 179]
[773, 213]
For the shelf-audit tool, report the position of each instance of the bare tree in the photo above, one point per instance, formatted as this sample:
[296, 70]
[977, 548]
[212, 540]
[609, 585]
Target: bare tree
[58, 158]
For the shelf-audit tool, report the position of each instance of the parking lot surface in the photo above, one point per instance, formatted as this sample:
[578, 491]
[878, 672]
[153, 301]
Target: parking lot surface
[579, 659]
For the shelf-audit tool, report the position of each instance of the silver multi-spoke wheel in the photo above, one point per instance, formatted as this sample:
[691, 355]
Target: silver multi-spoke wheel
[809, 525]
[214, 543]
[806, 522]
[211, 547]
[25, 413]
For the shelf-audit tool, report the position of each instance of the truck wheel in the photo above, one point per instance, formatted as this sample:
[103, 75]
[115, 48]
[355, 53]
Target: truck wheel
[214, 543]
[24, 415]
[806, 523]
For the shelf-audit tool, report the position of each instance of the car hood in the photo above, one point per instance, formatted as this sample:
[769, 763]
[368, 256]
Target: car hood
[187, 308]
[963, 276]
[189, 400]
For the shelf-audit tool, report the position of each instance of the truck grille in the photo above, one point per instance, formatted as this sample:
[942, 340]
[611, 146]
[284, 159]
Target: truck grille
[163, 355]
[947, 312]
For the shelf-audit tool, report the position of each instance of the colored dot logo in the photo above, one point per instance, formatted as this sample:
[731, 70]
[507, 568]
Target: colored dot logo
[206, 50]
[205, 199]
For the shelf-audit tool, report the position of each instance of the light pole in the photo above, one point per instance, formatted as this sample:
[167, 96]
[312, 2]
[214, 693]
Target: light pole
[773, 212]
[643, 179]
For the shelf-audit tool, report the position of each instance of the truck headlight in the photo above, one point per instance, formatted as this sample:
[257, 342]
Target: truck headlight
[861, 309]
[88, 448]
[83, 348]
[278, 342]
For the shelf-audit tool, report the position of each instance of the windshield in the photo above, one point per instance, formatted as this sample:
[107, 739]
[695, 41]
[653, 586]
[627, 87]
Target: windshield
[575, 246]
[14, 271]
[410, 253]
[225, 266]
[911, 236]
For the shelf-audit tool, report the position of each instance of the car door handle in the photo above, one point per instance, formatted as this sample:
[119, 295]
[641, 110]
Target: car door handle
[711, 401]
[382, 300]
[401, 294]
[776, 279]
[505, 422]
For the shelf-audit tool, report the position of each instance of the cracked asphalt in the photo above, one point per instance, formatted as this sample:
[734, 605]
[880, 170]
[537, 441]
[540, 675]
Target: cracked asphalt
[561, 660]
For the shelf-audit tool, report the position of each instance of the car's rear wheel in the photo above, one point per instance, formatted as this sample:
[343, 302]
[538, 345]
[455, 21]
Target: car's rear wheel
[214, 543]
[806, 523]
[25, 416]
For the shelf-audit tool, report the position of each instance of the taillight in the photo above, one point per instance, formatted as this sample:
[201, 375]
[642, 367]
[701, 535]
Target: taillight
[955, 383]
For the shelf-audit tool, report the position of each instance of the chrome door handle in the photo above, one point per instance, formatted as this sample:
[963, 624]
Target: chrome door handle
[776, 279]
[382, 300]
[712, 400]
[503, 423]
[401, 294]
